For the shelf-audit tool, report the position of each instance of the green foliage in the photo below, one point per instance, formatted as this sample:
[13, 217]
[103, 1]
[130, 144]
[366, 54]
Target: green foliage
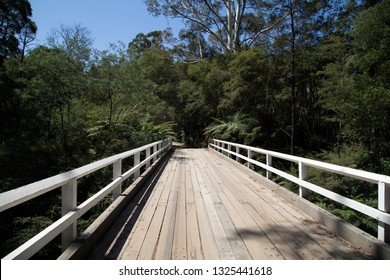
[233, 129]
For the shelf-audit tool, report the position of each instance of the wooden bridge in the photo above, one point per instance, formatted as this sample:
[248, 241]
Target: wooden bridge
[207, 204]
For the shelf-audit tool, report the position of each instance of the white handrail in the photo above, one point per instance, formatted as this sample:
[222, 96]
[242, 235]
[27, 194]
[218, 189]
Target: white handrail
[382, 214]
[67, 224]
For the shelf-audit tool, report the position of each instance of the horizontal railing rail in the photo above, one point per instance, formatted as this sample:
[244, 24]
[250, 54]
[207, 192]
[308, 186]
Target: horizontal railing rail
[71, 212]
[381, 214]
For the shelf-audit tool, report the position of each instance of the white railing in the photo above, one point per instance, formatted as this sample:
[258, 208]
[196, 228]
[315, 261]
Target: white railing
[381, 214]
[71, 212]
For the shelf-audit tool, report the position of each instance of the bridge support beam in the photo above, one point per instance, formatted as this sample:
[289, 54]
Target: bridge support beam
[384, 205]
[69, 203]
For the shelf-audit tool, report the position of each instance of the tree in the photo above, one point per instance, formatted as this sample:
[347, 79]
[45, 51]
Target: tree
[15, 21]
[233, 24]
[74, 40]
[142, 42]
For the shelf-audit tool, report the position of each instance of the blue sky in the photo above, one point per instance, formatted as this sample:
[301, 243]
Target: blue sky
[109, 21]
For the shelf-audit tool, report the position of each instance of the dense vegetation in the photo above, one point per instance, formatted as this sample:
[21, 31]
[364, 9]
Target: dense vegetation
[311, 78]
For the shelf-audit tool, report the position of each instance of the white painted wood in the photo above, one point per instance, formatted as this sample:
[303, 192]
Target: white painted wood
[136, 162]
[384, 205]
[116, 172]
[302, 176]
[250, 157]
[19, 195]
[28, 249]
[383, 217]
[67, 225]
[337, 169]
[154, 152]
[269, 163]
[147, 155]
[69, 203]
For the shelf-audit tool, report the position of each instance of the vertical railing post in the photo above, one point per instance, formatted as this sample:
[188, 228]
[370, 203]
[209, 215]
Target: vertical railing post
[268, 159]
[155, 151]
[250, 157]
[303, 192]
[116, 172]
[229, 148]
[136, 162]
[147, 151]
[69, 203]
[238, 152]
[159, 149]
[384, 205]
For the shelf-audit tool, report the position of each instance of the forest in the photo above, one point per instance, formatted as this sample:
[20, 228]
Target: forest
[305, 77]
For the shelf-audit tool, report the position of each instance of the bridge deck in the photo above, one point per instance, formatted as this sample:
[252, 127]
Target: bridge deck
[203, 207]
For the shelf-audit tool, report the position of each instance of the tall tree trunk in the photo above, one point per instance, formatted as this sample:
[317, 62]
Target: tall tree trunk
[230, 22]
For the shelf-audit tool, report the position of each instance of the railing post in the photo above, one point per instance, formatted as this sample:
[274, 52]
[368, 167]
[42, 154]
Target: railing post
[303, 192]
[384, 205]
[147, 151]
[136, 161]
[229, 148]
[69, 203]
[155, 151]
[237, 151]
[249, 165]
[117, 172]
[268, 160]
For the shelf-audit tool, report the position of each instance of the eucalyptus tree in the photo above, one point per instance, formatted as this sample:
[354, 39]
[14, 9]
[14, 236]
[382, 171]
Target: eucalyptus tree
[232, 24]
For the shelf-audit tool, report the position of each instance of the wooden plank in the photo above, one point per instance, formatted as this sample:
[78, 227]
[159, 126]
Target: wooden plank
[151, 239]
[134, 245]
[298, 225]
[265, 203]
[208, 244]
[164, 245]
[254, 237]
[238, 245]
[276, 234]
[194, 247]
[179, 250]
[224, 248]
